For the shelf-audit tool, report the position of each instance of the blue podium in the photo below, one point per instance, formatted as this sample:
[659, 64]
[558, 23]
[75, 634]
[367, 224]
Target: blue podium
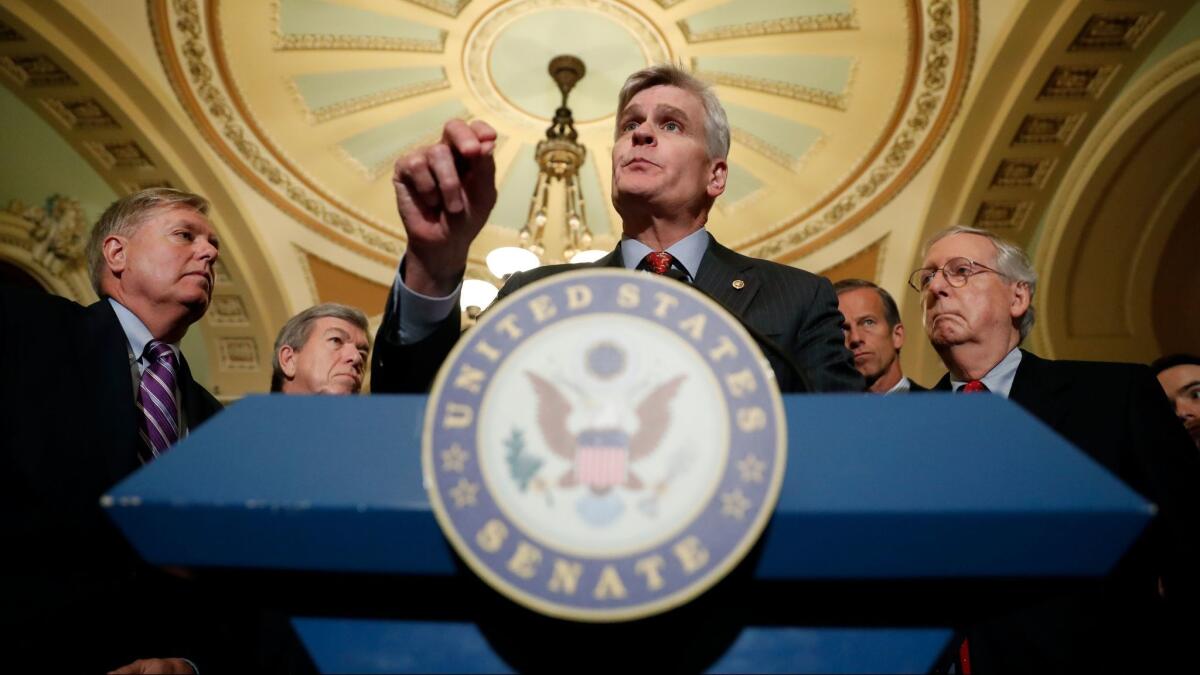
[885, 536]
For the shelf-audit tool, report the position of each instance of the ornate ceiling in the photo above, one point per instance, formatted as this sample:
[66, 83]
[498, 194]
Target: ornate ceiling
[859, 126]
[834, 104]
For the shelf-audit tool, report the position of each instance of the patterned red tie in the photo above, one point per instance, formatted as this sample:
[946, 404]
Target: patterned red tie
[974, 387]
[658, 262]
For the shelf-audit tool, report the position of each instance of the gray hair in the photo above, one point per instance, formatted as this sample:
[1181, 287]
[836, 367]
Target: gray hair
[124, 216]
[891, 312]
[716, 123]
[296, 331]
[1011, 261]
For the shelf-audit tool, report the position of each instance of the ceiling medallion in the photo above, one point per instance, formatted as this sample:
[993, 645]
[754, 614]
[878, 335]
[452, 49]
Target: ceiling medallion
[826, 131]
[616, 36]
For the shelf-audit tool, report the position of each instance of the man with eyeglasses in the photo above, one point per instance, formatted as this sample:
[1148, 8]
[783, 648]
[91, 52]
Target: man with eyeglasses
[977, 292]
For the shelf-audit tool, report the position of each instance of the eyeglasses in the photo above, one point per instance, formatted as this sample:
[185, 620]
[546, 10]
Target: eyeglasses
[956, 271]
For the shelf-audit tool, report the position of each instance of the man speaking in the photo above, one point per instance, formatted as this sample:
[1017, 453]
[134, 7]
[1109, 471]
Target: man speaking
[669, 166]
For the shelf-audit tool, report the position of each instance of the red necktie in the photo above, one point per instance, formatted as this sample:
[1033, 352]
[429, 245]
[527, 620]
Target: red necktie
[658, 262]
[964, 649]
[974, 387]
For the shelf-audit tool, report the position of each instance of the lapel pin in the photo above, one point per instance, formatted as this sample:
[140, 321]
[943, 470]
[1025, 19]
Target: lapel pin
[738, 284]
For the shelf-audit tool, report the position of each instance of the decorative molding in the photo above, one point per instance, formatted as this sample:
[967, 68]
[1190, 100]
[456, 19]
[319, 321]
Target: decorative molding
[944, 68]
[387, 165]
[1047, 128]
[1025, 172]
[335, 110]
[450, 8]
[237, 354]
[49, 243]
[227, 310]
[1111, 31]
[59, 232]
[131, 187]
[773, 152]
[38, 70]
[482, 36]
[821, 97]
[119, 154]
[1076, 82]
[668, 4]
[790, 24]
[221, 273]
[1008, 216]
[84, 113]
[310, 41]
[260, 167]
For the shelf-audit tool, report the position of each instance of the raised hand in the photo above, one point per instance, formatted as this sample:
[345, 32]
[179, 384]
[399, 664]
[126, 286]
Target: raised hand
[444, 194]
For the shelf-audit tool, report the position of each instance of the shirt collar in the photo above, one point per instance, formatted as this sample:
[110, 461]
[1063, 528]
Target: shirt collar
[136, 333]
[999, 379]
[902, 386]
[688, 251]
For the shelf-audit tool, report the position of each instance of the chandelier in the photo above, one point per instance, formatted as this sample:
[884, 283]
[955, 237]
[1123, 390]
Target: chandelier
[559, 157]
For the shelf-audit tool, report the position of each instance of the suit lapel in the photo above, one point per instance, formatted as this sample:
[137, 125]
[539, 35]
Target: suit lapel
[1038, 388]
[613, 259]
[720, 268]
[117, 416]
[190, 404]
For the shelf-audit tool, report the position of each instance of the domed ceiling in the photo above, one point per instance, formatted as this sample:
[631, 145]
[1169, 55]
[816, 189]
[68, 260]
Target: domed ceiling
[834, 104]
[288, 113]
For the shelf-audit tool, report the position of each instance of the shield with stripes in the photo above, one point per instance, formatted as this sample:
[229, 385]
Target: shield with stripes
[602, 458]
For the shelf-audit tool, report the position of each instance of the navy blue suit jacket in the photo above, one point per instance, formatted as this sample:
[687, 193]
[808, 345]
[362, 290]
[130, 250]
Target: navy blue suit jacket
[793, 313]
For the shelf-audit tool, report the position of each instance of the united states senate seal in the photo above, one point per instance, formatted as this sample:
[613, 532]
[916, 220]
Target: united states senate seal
[604, 445]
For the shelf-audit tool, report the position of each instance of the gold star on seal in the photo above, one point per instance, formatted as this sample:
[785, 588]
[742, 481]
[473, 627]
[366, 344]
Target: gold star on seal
[734, 504]
[464, 493]
[454, 458]
[752, 469]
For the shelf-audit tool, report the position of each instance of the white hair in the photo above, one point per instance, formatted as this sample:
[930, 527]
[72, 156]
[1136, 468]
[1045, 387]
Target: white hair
[1011, 262]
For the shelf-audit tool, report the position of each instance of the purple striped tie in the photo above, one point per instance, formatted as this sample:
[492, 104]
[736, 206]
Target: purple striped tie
[156, 398]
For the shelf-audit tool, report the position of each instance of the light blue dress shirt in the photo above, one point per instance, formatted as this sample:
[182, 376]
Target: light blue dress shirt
[137, 336]
[999, 379]
[420, 314]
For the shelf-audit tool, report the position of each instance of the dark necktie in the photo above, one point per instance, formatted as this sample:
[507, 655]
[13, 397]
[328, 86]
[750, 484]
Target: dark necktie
[974, 387]
[658, 262]
[156, 398]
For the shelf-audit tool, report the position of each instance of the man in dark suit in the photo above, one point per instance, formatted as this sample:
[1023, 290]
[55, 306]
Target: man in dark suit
[976, 293]
[89, 394]
[668, 168]
[874, 335]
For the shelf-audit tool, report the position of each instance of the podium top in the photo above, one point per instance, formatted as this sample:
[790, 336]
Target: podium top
[876, 487]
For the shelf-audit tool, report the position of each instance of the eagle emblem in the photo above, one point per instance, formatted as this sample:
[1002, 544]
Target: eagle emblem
[610, 436]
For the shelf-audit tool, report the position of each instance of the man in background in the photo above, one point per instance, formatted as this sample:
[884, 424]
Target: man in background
[322, 350]
[874, 335]
[1179, 375]
[977, 292]
[90, 394]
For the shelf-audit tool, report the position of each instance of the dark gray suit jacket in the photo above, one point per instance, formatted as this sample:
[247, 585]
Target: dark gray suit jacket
[1117, 414]
[793, 313]
[76, 595]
